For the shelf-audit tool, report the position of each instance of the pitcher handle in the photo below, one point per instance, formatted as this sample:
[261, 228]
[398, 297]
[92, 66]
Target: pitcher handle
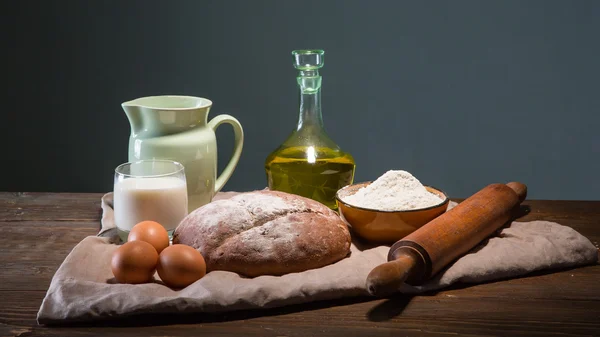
[237, 150]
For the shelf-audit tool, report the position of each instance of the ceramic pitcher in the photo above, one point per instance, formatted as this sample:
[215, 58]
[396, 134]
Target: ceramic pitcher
[177, 128]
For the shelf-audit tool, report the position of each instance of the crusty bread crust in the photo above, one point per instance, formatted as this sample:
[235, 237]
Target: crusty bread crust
[265, 233]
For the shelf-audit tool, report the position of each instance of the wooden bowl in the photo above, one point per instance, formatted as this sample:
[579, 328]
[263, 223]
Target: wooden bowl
[386, 226]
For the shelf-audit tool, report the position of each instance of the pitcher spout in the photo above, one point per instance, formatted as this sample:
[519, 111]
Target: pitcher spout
[133, 112]
[155, 116]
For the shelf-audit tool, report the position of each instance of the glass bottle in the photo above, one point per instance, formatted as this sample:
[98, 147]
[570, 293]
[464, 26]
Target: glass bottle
[309, 163]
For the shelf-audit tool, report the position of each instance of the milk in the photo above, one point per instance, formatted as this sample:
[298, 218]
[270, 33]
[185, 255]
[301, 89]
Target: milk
[160, 199]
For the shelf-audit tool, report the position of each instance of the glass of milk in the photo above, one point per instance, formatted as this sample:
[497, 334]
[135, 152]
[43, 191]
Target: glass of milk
[153, 190]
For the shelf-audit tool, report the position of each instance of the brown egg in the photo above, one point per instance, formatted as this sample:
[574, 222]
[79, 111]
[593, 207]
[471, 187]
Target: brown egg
[134, 262]
[180, 265]
[151, 232]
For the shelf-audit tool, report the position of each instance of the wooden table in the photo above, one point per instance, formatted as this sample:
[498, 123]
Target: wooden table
[37, 231]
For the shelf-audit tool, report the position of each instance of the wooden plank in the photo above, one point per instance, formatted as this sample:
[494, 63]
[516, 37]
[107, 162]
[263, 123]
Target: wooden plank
[408, 328]
[422, 315]
[28, 206]
[32, 251]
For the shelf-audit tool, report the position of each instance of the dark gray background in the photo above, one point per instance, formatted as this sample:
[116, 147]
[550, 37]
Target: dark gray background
[460, 93]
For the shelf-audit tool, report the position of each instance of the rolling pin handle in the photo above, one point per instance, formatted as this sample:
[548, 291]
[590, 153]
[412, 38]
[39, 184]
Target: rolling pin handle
[388, 277]
[520, 189]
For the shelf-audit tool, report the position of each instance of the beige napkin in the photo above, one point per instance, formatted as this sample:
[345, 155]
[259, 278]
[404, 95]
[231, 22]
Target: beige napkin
[83, 288]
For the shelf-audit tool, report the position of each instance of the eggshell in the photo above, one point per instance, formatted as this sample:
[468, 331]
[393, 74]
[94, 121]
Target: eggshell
[134, 262]
[180, 265]
[151, 232]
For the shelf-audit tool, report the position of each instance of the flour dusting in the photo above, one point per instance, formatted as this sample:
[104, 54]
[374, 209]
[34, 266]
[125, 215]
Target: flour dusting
[396, 190]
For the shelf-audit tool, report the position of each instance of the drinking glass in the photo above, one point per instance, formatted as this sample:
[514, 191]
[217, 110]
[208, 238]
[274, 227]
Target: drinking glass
[152, 190]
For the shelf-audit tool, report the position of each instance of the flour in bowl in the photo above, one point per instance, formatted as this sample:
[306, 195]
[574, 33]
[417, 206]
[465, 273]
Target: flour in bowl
[396, 190]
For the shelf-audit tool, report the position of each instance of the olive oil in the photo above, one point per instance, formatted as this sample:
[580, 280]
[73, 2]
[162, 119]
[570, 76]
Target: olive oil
[309, 163]
[316, 173]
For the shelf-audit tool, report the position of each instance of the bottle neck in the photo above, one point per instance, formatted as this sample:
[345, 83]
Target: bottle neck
[310, 100]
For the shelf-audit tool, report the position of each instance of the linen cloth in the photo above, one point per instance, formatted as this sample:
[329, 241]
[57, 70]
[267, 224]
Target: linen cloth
[84, 289]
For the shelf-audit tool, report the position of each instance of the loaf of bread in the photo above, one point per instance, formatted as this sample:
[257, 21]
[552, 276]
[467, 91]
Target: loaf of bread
[265, 233]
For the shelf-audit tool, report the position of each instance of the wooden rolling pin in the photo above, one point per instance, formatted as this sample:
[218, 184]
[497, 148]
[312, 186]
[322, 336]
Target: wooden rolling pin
[426, 251]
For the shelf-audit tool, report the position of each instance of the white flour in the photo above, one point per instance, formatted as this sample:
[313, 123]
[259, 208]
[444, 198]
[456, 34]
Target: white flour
[393, 191]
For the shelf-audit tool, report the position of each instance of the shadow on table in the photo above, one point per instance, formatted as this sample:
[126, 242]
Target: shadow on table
[395, 305]
[392, 307]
